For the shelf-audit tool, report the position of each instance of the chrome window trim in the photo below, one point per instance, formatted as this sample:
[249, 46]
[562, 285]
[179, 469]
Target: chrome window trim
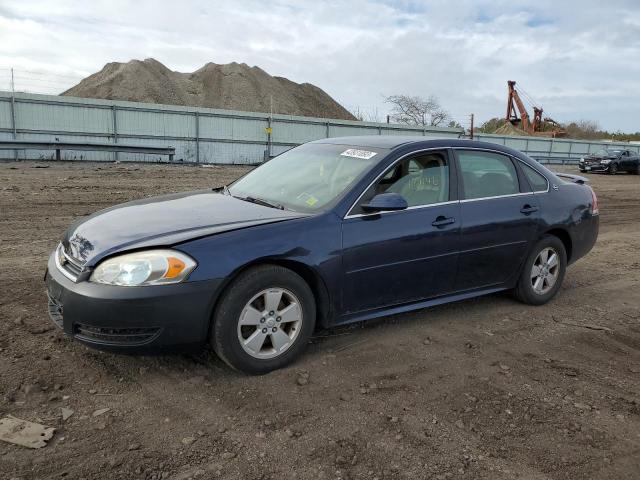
[61, 269]
[489, 150]
[357, 215]
[415, 207]
[521, 194]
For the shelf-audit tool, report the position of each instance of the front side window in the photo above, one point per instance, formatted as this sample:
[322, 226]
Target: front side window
[421, 180]
[309, 178]
[486, 174]
[537, 181]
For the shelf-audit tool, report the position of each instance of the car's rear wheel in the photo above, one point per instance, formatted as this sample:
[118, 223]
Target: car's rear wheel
[613, 168]
[543, 272]
[264, 319]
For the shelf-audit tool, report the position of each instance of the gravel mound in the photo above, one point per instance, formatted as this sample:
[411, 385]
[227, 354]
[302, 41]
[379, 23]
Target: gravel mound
[234, 86]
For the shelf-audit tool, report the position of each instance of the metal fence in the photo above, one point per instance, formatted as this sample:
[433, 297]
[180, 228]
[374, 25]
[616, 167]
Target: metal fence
[199, 135]
[554, 150]
[204, 135]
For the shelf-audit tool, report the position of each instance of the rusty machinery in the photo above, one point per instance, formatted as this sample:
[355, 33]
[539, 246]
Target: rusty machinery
[515, 106]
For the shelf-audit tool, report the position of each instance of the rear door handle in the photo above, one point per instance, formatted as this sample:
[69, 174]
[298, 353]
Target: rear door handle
[527, 209]
[442, 221]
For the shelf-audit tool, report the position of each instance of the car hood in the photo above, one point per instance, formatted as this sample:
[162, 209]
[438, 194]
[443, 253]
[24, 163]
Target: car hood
[163, 221]
[599, 157]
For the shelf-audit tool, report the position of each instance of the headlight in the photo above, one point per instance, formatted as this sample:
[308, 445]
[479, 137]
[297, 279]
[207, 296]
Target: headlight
[605, 161]
[151, 267]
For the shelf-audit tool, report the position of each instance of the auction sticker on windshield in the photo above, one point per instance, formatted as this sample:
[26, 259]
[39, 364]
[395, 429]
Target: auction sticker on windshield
[364, 154]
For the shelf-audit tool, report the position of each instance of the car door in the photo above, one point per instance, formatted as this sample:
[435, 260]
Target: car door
[625, 161]
[390, 258]
[622, 160]
[499, 216]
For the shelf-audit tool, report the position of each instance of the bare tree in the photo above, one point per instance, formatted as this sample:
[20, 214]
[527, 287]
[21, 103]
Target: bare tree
[417, 110]
[363, 115]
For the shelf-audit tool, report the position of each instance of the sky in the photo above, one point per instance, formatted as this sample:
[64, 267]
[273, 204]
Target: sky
[576, 59]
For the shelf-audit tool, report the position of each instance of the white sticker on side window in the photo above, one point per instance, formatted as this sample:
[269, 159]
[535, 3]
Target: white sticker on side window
[355, 153]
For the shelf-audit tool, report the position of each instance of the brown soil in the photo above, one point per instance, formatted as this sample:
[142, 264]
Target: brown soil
[481, 389]
[234, 86]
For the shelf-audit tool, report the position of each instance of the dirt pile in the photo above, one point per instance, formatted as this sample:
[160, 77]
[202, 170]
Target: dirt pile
[234, 86]
[508, 129]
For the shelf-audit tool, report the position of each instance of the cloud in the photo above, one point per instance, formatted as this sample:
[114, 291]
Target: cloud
[577, 59]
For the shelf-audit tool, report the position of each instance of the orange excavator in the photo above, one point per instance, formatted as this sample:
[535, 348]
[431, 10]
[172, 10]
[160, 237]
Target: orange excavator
[534, 127]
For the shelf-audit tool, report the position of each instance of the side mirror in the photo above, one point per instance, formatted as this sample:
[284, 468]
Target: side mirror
[386, 202]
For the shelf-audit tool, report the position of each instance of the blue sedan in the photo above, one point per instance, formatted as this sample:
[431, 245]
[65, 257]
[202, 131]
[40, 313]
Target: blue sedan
[331, 232]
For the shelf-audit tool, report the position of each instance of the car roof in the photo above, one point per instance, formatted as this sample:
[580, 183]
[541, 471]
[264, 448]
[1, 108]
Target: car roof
[393, 142]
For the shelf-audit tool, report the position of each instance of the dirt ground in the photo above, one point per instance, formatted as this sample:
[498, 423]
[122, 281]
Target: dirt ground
[481, 389]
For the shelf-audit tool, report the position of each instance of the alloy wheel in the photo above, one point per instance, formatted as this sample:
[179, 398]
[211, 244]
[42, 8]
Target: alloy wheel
[545, 271]
[270, 323]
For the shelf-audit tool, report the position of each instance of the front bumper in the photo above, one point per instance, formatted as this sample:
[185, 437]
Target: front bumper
[593, 167]
[149, 319]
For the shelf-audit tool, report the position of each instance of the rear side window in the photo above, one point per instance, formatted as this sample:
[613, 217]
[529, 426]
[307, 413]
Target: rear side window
[536, 180]
[486, 174]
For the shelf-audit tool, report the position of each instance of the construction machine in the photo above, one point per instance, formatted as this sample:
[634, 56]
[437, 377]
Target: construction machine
[534, 127]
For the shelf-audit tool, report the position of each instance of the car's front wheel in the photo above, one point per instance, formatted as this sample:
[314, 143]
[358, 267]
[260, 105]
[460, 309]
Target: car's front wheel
[543, 272]
[613, 168]
[263, 320]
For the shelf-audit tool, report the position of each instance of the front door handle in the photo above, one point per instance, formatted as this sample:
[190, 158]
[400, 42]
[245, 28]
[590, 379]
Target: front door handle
[443, 221]
[527, 209]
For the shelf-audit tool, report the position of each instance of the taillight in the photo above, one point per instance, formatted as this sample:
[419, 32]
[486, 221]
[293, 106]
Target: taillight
[594, 204]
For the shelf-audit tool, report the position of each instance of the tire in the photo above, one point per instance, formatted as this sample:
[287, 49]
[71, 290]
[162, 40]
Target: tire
[249, 297]
[613, 169]
[525, 290]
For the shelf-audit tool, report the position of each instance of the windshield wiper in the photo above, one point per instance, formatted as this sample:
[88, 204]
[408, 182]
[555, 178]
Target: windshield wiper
[260, 201]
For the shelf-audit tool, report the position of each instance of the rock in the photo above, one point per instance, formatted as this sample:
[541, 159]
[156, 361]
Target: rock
[459, 424]
[27, 434]
[303, 378]
[345, 397]
[93, 392]
[427, 341]
[582, 406]
[134, 446]
[66, 413]
[228, 455]
[188, 440]
[101, 411]
[504, 367]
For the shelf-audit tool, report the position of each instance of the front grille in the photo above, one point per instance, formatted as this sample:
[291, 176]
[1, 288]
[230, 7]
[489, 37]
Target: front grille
[55, 312]
[72, 267]
[69, 266]
[116, 336]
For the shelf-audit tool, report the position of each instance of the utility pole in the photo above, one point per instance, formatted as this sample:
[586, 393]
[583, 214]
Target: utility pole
[471, 126]
[269, 129]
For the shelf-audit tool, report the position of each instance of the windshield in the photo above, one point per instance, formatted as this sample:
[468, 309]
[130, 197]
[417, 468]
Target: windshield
[308, 178]
[608, 152]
